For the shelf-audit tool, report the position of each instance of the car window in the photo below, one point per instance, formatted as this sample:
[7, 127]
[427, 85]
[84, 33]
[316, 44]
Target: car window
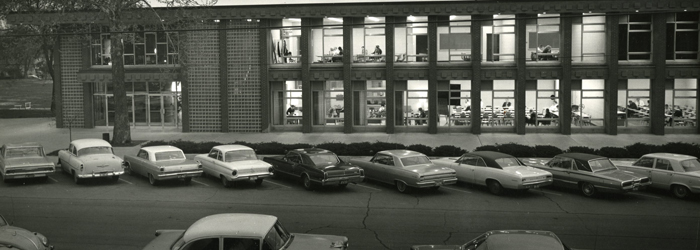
[468, 160]
[95, 150]
[71, 149]
[169, 155]
[691, 165]
[241, 244]
[294, 158]
[275, 238]
[662, 164]
[219, 156]
[508, 162]
[203, 244]
[601, 165]
[3, 222]
[142, 154]
[384, 159]
[324, 159]
[240, 155]
[646, 162]
[415, 160]
[213, 153]
[24, 152]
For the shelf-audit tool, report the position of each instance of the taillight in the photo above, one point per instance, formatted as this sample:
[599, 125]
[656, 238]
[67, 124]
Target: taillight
[234, 172]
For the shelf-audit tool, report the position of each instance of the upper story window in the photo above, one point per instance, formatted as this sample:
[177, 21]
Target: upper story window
[142, 47]
[543, 37]
[411, 39]
[369, 41]
[588, 38]
[682, 36]
[285, 41]
[327, 41]
[454, 39]
[499, 39]
[635, 37]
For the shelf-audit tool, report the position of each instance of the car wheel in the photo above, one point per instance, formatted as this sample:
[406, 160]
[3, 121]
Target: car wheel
[258, 182]
[115, 178]
[679, 191]
[587, 189]
[342, 185]
[152, 180]
[401, 187]
[494, 187]
[308, 185]
[76, 178]
[225, 182]
[188, 180]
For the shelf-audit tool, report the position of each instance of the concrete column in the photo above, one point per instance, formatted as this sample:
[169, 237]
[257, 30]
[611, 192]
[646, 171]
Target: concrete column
[432, 75]
[521, 73]
[89, 121]
[223, 74]
[658, 83]
[613, 77]
[58, 87]
[390, 34]
[566, 22]
[348, 24]
[306, 98]
[265, 55]
[477, 22]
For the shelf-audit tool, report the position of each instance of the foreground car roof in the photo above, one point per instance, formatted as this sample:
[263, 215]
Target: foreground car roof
[523, 240]
[23, 145]
[225, 148]
[582, 156]
[245, 225]
[490, 154]
[84, 143]
[401, 152]
[312, 151]
[679, 157]
[154, 149]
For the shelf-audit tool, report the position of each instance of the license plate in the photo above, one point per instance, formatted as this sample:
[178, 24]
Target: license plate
[343, 182]
[253, 178]
[29, 176]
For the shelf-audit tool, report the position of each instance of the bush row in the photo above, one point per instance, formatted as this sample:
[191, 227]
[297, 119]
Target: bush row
[368, 149]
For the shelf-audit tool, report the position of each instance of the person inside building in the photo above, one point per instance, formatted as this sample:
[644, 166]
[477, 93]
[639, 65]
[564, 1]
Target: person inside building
[506, 104]
[531, 119]
[377, 51]
[632, 108]
[547, 115]
[421, 114]
[290, 110]
[337, 57]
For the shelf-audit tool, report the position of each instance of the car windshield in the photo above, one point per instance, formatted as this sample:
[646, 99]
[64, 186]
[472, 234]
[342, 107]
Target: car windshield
[24, 152]
[277, 237]
[691, 165]
[324, 159]
[170, 155]
[178, 244]
[240, 155]
[508, 162]
[415, 160]
[516, 241]
[601, 165]
[95, 150]
[2, 221]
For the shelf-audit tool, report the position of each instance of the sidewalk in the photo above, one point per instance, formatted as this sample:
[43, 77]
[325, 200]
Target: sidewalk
[43, 130]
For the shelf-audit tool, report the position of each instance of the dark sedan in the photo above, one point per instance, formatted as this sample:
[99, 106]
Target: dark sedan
[316, 167]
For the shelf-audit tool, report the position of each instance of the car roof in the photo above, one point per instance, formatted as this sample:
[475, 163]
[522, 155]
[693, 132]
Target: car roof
[238, 224]
[490, 154]
[401, 152]
[311, 151]
[225, 148]
[162, 148]
[83, 143]
[22, 145]
[523, 240]
[671, 156]
[581, 156]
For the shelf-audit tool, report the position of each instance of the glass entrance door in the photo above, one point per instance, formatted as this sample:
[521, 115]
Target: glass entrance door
[140, 110]
[155, 110]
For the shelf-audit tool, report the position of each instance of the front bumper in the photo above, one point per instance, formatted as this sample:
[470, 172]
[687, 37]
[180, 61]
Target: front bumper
[251, 177]
[436, 183]
[635, 186]
[342, 180]
[178, 175]
[102, 174]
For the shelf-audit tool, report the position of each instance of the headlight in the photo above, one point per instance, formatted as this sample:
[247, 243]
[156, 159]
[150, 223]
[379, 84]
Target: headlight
[44, 240]
[269, 169]
[626, 183]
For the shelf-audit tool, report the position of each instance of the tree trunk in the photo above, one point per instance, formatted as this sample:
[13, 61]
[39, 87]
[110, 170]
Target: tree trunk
[122, 131]
[48, 56]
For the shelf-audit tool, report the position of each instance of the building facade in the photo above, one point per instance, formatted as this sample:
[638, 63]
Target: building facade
[432, 67]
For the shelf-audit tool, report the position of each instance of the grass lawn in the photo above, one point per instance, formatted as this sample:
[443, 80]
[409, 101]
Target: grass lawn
[20, 91]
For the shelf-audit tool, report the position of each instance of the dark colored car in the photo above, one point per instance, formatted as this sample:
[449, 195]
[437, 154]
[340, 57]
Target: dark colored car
[316, 167]
[591, 174]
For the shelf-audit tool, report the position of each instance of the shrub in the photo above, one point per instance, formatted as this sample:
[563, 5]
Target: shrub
[288, 147]
[448, 150]
[685, 148]
[189, 147]
[486, 148]
[547, 151]
[270, 148]
[359, 149]
[638, 149]
[420, 148]
[517, 150]
[335, 147]
[381, 146]
[613, 152]
[580, 149]
[155, 143]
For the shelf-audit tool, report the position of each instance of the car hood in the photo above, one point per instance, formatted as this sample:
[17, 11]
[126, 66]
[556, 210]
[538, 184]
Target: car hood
[429, 169]
[316, 241]
[525, 171]
[175, 163]
[617, 175]
[20, 238]
[165, 240]
[27, 162]
[436, 247]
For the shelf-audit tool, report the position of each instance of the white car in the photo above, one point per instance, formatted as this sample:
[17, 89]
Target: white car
[90, 158]
[233, 163]
[17, 238]
[496, 171]
[159, 163]
[675, 172]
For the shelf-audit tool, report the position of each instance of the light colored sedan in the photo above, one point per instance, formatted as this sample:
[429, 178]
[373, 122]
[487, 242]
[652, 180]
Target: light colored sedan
[12, 237]
[496, 171]
[90, 158]
[675, 172]
[406, 169]
[160, 163]
[232, 163]
[24, 160]
[506, 239]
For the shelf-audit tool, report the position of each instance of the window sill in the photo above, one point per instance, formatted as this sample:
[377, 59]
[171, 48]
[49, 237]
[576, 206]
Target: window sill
[636, 62]
[682, 62]
[285, 66]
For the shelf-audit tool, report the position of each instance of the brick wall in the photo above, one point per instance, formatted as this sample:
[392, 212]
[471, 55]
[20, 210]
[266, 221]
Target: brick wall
[202, 50]
[244, 76]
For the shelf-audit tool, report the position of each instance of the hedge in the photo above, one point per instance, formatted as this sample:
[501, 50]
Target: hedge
[368, 149]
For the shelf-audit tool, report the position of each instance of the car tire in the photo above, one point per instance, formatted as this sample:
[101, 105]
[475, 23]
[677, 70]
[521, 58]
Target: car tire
[308, 185]
[152, 180]
[258, 182]
[188, 180]
[225, 182]
[402, 187]
[680, 192]
[494, 187]
[587, 189]
[77, 178]
[115, 178]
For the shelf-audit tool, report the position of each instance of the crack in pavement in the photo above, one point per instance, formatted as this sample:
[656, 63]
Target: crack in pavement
[449, 236]
[327, 226]
[567, 212]
[364, 223]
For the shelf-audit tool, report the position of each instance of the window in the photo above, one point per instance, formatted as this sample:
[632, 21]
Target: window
[143, 154]
[682, 36]
[241, 244]
[566, 163]
[454, 103]
[328, 102]
[370, 103]
[646, 162]
[662, 164]
[213, 153]
[543, 37]
[634, 100]
[454, 39]
[635, 37]
[369, 41]
[588, 103]
[499, 39]
[384, 159]
[142, 47]
[681, 104]
[468, 160]
[327, 41]
[498, 103]
[95, 150]
[275, 238]
[285, 41]
[294, 157]
[240, 155]
[415, 160]
[412, 104]
[508, 162]
[588, 38]
[203, 244]
[286, 98]
[691, 165]
[411, 39]
[542, 103]
[169, 156]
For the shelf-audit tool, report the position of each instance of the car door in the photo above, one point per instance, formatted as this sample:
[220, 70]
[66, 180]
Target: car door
[73, 160]
[643, 167]
[208, 163]
[393, 170]
[465, 168]
[662, 173]
[561, 171]
[292, 159]
[231, 243]
[137, 165]
[377, 166]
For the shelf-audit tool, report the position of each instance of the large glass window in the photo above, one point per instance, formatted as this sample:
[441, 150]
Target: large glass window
[587, 103]
[454, 103]
[635, 37]
[285, 41]
[542, 103]
[327, 41]
[588, 38]
[498, 103]
[681, 104]
[411, 42]
[682, 36]
[413, 109]
[328, 103]
[287, 109]
[499, 39]
[634, 101]
[369, 41]
[543, 37]
[454, 39]
[370, 103]
[140, 48]
[149, 103]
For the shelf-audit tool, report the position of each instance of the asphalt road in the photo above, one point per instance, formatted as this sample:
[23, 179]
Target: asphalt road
[124, 215]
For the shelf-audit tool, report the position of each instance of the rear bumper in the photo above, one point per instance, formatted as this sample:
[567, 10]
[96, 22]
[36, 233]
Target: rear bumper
[29, 174]
[537, 184]
[436, 183]
[103, 174]
[179, 175]
[342, 180]
[251, 177]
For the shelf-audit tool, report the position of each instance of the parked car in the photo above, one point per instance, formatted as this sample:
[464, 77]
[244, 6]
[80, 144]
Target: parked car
[232, 163]
[496, 171]
[316, 167]
[506, 240]
[25, 160]
[160, 163]
[90, 158]
[242, 231]
[591, 174]
[675, 172]
[406, 169]
[12, 237]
